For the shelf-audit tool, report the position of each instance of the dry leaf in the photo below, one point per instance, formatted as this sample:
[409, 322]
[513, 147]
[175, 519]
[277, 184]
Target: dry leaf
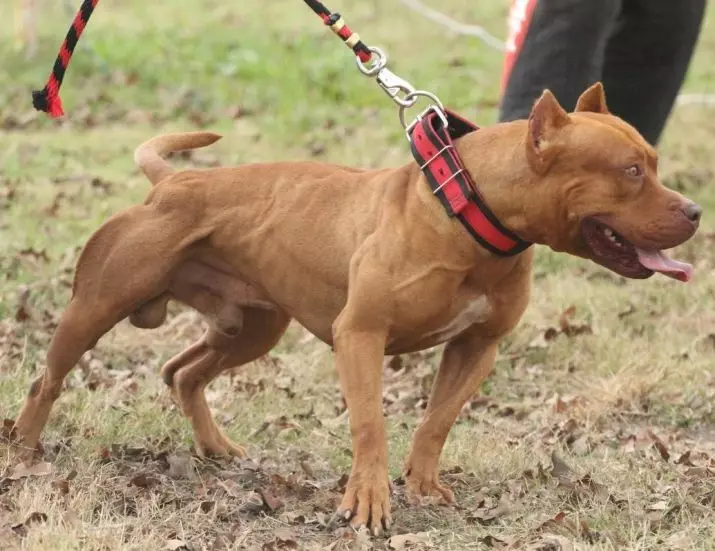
[254, 504]
[7, 428]
[142, 480]
[558, 524]
[658, 506]
[71, 518]
[494, 542]
[363, 540]
[174, 545]
[22, 312]
[659, 445]
[699, 472]
[410, 541]
[680, 540]
[581, 446]
[684, 459]
[307, 469]
[487, 514]
[34, 518]
[62, 486]
[568, 327]
[22, 470]
[395, 363]
[270, 500]
[285, 539]
[180, 467]
[627, 312]
[542, 339]
[551, 542]
[566, 317]
[560, 469]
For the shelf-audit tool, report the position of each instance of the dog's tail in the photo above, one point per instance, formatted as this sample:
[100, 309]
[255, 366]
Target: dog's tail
[149, 156]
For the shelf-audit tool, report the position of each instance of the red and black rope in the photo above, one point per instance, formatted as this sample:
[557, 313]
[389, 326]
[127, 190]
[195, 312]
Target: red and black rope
[336, 23]
[48, 99]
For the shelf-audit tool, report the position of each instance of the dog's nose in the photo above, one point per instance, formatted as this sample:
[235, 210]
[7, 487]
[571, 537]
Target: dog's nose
[693, 212]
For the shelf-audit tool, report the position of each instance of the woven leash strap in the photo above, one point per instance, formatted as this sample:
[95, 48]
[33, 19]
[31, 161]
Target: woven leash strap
[338, 26]
[48, 99]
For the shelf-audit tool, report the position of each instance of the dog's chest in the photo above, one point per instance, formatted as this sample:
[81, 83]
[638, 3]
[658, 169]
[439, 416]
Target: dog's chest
[476, 310]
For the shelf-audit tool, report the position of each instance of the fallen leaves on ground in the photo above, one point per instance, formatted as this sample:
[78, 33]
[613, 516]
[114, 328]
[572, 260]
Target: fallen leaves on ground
[567, 325]
[488, 507]
[580, 488]
[283, 538]
[143, 480]
[28, 469]
[419, 540]
[175, 545]
[32, 519]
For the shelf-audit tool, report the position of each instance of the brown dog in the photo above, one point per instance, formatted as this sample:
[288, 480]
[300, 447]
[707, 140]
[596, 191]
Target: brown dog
[369, 262]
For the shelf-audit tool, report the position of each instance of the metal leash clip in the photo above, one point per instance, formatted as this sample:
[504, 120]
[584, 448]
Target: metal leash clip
[399, 90]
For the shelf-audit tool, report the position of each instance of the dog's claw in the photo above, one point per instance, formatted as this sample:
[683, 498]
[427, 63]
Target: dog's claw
[427, 489]
[366, 504]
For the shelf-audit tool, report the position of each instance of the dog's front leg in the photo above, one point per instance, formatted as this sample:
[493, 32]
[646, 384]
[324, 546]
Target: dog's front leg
[359, 355]
[466, 362]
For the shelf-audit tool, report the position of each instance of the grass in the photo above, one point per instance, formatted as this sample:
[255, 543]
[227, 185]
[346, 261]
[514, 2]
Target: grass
[601, 440]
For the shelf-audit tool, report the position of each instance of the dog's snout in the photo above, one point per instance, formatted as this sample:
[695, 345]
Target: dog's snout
[693, 212]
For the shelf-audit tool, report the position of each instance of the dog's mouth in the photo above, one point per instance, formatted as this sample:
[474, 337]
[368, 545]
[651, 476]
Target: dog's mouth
[611, 250]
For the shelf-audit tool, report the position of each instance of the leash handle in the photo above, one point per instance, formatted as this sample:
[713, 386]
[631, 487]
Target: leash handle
[337, 25]
[48, 99]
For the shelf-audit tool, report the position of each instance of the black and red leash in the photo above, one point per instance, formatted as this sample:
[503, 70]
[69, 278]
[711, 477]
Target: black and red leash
[48, 99]
[338, 26]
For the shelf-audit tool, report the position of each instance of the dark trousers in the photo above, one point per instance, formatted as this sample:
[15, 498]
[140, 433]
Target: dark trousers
[639, 49]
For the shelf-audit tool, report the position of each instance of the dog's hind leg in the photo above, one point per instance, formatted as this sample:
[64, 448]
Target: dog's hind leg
[76, 333]
[123, 265]
[188, 373]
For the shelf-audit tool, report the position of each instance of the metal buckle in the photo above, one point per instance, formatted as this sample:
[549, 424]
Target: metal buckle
[448, 180]
[386, 79]
[394, 86]
[376, 66]
[438, 109]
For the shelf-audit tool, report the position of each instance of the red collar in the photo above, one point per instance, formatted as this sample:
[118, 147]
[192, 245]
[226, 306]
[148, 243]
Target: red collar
[431, 141]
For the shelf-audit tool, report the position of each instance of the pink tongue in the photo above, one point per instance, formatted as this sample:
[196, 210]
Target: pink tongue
[659, 262]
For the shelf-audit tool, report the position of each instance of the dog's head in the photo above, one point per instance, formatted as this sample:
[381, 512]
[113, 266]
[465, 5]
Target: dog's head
[600, 186]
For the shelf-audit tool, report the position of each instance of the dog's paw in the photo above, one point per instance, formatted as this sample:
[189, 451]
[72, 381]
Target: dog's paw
[23, 447]
[219, 446]
[426, 489]
[367, 502]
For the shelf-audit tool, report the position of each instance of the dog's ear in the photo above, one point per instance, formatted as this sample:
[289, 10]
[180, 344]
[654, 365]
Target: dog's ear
[546, 118]
[593, 100]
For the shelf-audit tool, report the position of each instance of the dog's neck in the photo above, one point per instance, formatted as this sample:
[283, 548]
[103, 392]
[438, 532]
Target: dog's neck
[496, 158]
[497, 162]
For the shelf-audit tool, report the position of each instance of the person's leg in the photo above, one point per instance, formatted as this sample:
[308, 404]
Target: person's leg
[646, 60]
[562, 50]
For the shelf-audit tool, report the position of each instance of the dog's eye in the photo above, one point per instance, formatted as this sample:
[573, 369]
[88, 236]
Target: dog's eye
[634, 171]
